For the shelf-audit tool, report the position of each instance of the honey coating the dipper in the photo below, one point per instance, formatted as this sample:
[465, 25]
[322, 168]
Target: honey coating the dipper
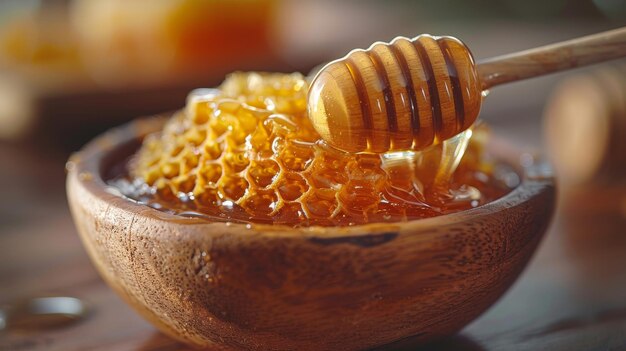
[403, 95]
[247, 152]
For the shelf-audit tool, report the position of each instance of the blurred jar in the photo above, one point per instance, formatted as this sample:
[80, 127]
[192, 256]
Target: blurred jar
[37, 35]
[80, 66]
[585, 131]
[147, 39]
[585, 127]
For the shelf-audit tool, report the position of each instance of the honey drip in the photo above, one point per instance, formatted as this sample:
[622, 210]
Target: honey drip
[247, 152]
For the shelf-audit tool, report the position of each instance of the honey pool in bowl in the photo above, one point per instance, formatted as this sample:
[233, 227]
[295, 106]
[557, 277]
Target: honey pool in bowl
[247, 152]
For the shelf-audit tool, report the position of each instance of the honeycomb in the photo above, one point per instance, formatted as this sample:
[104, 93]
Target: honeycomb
[248, 152]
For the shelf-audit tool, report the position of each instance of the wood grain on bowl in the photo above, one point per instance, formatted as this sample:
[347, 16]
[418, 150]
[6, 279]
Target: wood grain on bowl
[264, 287]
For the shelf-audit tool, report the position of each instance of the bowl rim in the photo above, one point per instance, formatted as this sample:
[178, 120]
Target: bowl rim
[85, 170]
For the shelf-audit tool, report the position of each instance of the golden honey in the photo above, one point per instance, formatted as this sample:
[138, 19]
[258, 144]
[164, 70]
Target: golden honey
[247, 152]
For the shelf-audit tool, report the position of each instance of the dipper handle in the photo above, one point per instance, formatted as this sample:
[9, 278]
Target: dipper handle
[552, 58]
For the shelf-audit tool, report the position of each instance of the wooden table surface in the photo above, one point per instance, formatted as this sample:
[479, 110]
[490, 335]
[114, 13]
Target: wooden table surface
[571, 297]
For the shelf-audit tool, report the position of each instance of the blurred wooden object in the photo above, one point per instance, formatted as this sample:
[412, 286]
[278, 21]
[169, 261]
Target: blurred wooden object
[68, 114]
[72, 112]
[585, 127]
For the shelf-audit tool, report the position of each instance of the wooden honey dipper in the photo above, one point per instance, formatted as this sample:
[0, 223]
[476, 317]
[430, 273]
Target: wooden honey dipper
[412, 93]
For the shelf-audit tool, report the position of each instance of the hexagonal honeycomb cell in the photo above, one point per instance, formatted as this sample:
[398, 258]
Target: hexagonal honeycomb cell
[247, 152]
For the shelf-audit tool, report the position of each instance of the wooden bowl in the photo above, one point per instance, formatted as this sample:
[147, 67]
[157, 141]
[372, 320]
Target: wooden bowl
[264, 287]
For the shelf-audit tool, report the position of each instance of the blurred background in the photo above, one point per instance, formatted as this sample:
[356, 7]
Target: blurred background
[71, 69]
